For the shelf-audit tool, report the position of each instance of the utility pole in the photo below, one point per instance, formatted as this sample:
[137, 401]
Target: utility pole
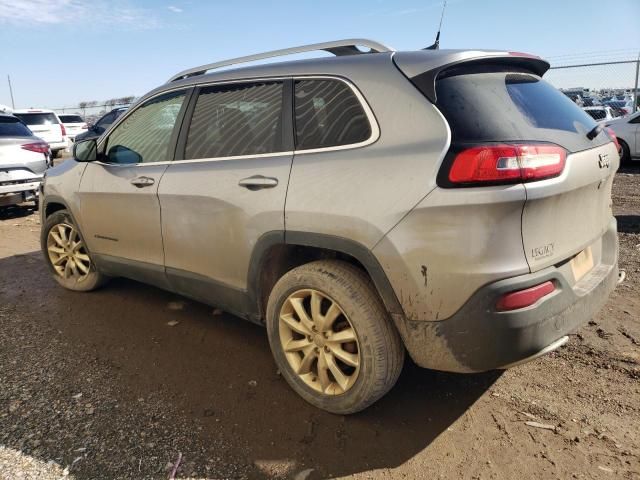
[13, 104]
[635, 90]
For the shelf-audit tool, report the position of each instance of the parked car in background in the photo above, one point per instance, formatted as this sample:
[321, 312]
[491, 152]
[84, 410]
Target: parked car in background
[601, 113]
[46, 125]
[103, 123]
[353, 224]
[73, 124]
[627, 129]
[23, 161]
[624, 106]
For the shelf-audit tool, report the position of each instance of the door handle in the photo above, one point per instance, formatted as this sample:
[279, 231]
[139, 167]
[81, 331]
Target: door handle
[141, 182]
[258, 182]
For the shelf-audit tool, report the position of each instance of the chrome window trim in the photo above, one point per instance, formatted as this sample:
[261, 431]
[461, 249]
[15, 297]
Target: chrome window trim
[373, 122]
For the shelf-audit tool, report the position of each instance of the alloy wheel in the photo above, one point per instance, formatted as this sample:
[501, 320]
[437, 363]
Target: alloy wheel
[319, 342]
[67, 252]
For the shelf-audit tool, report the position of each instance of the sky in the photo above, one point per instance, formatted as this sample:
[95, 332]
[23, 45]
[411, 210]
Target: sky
[61, 52]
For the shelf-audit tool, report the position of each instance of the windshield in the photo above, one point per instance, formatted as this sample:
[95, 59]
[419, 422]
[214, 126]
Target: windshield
[490, 105]
[38, 118]
[12, 127]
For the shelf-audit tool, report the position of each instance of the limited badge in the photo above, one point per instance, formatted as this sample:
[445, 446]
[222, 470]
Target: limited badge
[604, 160]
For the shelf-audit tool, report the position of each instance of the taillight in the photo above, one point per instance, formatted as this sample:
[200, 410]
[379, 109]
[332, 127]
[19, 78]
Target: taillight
[63, 130]
[39, 147]
[612, 136]
[498, 164]
[524, 298]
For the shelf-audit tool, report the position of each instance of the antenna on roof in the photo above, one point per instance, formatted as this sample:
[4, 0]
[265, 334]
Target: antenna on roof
[436, 45]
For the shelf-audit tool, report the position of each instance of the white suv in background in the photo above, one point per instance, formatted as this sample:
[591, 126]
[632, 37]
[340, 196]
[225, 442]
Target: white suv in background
[46, 125]
[74, 124]
[627, 129]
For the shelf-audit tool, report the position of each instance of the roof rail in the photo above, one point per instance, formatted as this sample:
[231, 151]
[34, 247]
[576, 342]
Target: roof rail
[337, 47]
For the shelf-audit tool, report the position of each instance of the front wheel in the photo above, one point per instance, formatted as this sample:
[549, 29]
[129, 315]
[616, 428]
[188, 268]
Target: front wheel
[332, 338]
[66, 254]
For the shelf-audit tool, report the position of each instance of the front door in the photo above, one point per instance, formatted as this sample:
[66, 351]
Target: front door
[119, 204]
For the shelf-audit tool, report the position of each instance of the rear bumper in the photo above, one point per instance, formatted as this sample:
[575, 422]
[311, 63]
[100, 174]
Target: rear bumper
[55, 146]
[13, 194]
[478, 338]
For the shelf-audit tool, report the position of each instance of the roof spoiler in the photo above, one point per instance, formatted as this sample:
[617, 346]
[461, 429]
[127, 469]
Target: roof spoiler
[425, 74]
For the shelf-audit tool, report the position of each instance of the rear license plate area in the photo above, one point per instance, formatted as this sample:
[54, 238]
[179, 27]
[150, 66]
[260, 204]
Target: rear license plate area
[582, 264]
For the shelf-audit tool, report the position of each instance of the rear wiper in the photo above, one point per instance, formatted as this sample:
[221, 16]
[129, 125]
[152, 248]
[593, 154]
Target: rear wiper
[594, 132]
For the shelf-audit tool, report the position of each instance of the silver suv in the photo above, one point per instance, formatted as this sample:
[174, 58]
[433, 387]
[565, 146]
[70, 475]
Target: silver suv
[448, 203]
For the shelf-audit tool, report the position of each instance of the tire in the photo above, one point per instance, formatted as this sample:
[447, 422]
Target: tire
[625, 157]
[75, 278]
[377, 347]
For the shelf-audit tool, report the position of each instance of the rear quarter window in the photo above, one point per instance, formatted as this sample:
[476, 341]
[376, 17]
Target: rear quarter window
[328, 114]
[499, 106]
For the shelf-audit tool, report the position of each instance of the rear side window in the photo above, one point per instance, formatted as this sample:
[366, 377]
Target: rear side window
[38, 118]
[236, 120]
[12, 127]
[499, 106]
[328, 114]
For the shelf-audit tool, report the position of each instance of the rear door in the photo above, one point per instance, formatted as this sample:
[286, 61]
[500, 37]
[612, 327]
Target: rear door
[228, 189]
[44, 125]
[561, 215]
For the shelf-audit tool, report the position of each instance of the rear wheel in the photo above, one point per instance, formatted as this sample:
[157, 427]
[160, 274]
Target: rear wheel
[67, 255]
[332, 338]
[625, 157]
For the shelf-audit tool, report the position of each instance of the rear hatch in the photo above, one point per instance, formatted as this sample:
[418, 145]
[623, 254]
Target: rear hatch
[496, 105]
[74, 124]
[44, 125]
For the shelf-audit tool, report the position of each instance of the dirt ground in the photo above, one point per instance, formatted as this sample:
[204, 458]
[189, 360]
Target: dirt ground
[100, 385]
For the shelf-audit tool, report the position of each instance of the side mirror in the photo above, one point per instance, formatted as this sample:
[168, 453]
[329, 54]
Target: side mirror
[123, 155]
[85, 151]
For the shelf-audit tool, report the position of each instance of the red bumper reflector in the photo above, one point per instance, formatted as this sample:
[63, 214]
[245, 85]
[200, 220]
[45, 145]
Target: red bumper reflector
[524, 298]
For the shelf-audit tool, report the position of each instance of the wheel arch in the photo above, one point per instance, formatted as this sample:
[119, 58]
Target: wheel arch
[53, 204]
[275, 253]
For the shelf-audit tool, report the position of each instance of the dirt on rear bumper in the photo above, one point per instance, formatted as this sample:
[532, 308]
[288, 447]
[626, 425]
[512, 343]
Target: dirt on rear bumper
[478, 338]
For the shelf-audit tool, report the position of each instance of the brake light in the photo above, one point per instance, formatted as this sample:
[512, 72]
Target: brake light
[63, 130]
[39, 147]
[524, 298]
[612, 136]
[507, 164]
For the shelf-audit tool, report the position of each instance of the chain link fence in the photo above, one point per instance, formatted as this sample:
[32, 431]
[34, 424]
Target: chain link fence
[91, 111]
[611, 82]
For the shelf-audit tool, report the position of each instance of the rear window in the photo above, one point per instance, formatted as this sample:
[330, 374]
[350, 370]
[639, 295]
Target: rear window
[37, 118]
[70, 118]
[499, 106]
[12, 127]
[599, 114]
